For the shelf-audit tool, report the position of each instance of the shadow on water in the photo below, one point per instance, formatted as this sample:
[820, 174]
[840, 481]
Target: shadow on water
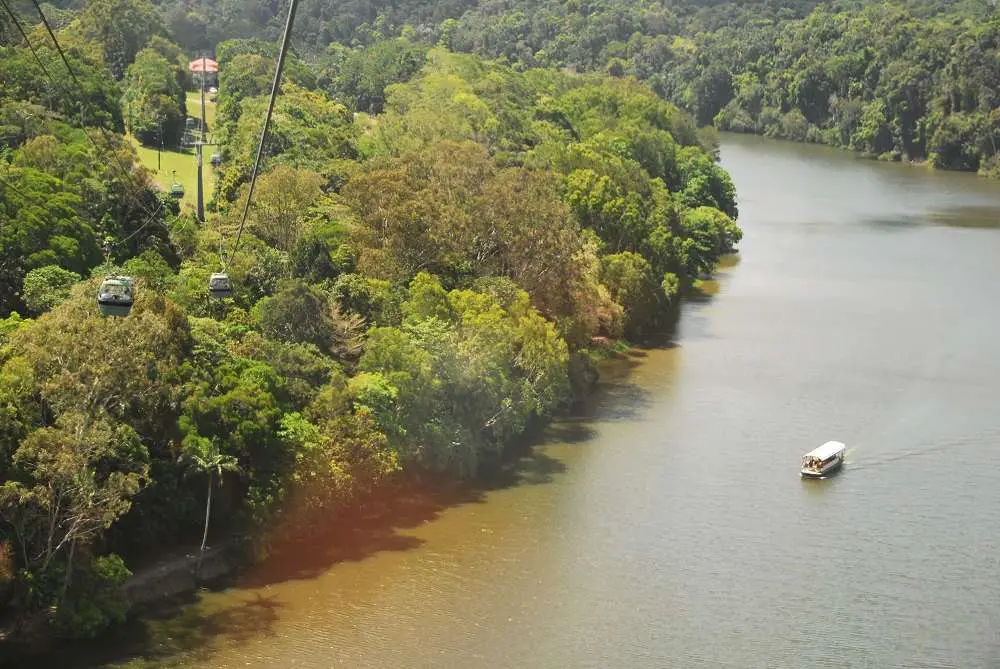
[704, 292]
[614, 398]
[973, 217]
[353, 537]
[981, 217]
[707, 288]
[168, 630]
[730, 260]
[380, 524]
[535, 467]
[179, 630]
[695, 324]
[899, 223]
[623, 402]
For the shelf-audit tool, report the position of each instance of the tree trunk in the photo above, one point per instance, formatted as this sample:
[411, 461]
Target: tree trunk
[204, 536]
[53, 521]
[69, 569]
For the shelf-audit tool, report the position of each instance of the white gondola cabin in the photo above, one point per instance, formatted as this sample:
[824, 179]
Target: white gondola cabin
[824, 460]
[115, 296]
[219, 285]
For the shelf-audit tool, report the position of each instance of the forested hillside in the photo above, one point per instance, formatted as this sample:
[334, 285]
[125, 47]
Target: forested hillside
[912, 80]
[898, 80]
[417, 284]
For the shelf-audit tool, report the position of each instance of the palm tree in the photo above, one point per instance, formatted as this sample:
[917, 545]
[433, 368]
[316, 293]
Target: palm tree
[204, 457]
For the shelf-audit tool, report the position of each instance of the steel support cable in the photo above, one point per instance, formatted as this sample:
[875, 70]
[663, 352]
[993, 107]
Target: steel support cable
[141, 227]
[263, 134]
[31, 47]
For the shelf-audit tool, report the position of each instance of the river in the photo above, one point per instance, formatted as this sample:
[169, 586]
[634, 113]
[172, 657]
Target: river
[668, 527]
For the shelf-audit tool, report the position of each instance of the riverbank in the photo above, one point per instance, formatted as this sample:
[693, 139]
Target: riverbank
[173, 574]
[888, 157]
[160, 590]
[169, 619]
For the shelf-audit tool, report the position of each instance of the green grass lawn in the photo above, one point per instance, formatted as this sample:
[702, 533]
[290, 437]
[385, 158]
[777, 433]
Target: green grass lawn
[182, 165]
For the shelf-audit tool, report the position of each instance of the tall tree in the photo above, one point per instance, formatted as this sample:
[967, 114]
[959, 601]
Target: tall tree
[204, 457]
[282, 199]
[154, 100]
[83, 475]
[123, 27]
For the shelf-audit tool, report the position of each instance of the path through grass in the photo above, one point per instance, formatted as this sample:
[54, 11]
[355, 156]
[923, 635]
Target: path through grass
[194, 107]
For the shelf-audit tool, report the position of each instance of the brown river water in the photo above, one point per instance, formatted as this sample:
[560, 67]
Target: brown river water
[668, 525]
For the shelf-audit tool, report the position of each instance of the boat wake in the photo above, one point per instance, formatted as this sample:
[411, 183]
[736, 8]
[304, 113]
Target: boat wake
[854, 459]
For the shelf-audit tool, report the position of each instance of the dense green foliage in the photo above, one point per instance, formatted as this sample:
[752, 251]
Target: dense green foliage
[903, 79]
[62, 196]
[154, 99]
[433, 246]
[881, 80]
[898, 80]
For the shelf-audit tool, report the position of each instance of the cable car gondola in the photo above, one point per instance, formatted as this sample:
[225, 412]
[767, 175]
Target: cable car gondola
[114, 297]
[219, 285]
[177, 190]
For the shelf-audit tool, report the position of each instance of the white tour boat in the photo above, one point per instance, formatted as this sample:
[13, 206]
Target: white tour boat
[824, 460]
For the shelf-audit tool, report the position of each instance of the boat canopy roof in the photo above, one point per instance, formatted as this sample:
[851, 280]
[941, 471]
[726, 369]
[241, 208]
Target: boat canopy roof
[826, 451]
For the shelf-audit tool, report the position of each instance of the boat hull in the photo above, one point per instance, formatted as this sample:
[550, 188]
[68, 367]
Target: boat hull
[831, 469]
